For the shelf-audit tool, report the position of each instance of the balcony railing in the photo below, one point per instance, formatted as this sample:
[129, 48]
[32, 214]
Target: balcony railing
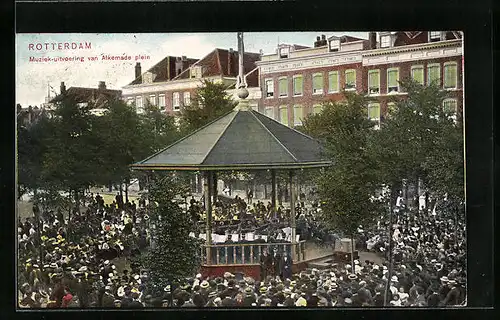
[248, 253]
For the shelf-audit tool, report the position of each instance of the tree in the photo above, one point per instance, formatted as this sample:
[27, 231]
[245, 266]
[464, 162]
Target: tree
[209, 102]
[74, 158]
[347, 187]
[173, 255]
[31, 146]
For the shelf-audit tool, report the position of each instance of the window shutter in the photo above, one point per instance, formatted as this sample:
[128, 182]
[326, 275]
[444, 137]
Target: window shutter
[283, 87]
[434, 75]
[350, 77]
[317, 81]
[374, 111]
[333, 81]
[297, 115]
[284, 115]
[297, 85]
[418, 75]
[392, 78]
[374, 79]
[450, 76]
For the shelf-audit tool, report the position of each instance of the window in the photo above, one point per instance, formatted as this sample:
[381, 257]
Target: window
[417, 74]
[298, 85]
[152, 100]
[391, 108]
[269, 88]
[433, 74]
[434, 36]
[283, 87]
[161, 100]
[374, 113]
[130, 101]
[374, 81]
[450, 75]
[176, 100]
[187, 98]
[350, 79]
[298, 112]
[333, 81]
[317, 83]
[317, 108]
[269, 111]
[392, 80]
[138, 102]
[450, 107]
[385, 41]
[284, 115]
[335, 45]
[284, 52]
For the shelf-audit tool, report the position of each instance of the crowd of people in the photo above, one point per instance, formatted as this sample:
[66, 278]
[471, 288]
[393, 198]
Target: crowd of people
[76, 261]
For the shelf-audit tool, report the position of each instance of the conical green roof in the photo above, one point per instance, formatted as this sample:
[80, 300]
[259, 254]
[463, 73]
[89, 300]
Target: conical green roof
[239, 140]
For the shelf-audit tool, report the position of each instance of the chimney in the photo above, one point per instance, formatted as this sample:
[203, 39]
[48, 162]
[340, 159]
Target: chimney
[316, 43]
[372, 38]
[138, 70]
[230, 61]
[102, 85]
[63, 88]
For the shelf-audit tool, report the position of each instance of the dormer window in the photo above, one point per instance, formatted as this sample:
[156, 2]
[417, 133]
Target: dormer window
[334, 45]
[385, 41]
[284, 52]
[434, 36]
[147, 77]
[196, 72]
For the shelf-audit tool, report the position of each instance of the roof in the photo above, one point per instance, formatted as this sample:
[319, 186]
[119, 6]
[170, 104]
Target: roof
[345, 38]
[239, 140]
[98, 97]
[216, 63]
[160, 70]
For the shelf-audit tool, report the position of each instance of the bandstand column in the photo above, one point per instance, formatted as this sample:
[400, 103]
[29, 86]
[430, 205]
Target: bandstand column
[208, 208]
[273, 192]
[292, 217]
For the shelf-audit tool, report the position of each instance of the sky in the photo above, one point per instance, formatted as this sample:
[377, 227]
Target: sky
[33, 78]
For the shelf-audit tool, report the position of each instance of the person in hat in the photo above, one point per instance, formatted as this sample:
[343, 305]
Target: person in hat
[286, 266]
[453, 296]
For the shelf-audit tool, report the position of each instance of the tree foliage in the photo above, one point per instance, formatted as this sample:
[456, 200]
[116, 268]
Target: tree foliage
[175, 255]
[209, 102]
[347, 186]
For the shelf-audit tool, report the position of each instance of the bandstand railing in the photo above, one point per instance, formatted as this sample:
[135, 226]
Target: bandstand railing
[248, 253]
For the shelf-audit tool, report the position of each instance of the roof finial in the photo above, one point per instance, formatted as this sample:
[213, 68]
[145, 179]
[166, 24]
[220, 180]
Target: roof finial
[241, 84]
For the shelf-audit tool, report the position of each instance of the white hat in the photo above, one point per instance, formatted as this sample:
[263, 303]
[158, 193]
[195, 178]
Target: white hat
[136, 277]
[198, 276]
[384, 267]
[110, 275]
[356, 261]
[348, 266]
[113, 267]
[394, 279]
[106, 262]
[375, 267]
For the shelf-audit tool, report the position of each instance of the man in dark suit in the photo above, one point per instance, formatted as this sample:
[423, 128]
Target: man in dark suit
[276, 263]
[266, 263]
[286, 267]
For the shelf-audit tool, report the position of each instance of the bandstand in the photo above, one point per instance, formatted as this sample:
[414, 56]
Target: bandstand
[242, 140]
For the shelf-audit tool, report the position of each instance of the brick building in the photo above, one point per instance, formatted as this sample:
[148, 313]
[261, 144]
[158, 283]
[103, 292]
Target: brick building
[172, 86]
[95, 98]
[296, 79]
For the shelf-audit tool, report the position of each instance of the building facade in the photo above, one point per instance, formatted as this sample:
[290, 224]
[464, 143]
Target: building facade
[172, 92]
[95, 98]
[296, 80]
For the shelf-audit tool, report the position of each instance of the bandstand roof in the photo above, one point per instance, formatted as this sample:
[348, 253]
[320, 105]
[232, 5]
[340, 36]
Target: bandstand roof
[243, 139]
